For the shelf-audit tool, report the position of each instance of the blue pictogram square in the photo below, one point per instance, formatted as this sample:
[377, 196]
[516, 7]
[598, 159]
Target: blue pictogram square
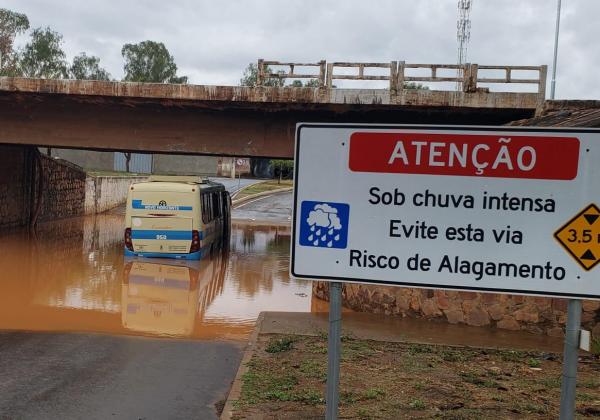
[324, 224]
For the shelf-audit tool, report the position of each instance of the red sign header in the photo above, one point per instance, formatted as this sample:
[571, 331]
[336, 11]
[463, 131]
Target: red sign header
[497, 156]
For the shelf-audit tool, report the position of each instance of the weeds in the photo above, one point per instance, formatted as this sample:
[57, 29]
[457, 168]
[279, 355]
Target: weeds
[417, 404]
[278, 345]
[374, 394]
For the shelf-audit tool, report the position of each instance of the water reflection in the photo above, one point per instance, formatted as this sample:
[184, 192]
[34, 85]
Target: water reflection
[71, 276]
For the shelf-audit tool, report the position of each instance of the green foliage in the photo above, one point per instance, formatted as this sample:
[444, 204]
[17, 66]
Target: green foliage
[595, 346]
[472, 378]
[313, 369]
[283, 164]
[250, 77]
[277, 345]
[534, 363]
[374, 394]
[417, 404]
[151, 62]
[512, 355]
[87, 68]
[43, 56]
[11, 25]
[282, 168]
[414, 86]
[309, 83]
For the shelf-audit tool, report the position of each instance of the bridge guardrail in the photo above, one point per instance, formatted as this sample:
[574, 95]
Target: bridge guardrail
[467, 75]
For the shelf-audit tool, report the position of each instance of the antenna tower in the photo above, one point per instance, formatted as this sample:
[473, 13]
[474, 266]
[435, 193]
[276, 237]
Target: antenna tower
[463, 35]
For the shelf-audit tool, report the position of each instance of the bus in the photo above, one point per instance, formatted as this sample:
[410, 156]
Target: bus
[176, 217]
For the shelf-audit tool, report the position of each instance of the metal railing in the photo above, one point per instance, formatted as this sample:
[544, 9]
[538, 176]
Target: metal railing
[467, 75]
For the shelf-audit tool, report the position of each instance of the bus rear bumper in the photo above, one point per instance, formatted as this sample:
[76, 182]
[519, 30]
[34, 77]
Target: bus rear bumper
[191, 256]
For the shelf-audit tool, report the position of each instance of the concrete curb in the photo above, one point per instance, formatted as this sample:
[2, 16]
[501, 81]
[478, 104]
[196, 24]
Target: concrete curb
[236, 386]
[243, 200]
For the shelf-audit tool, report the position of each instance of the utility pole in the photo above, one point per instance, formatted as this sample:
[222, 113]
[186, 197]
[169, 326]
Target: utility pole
[553, 82]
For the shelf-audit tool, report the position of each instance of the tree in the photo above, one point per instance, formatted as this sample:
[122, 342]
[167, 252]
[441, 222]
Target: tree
[150, 61]
[43, 55]
[250, 77]
[414, 86]
[127, 160]
[87, 68]
[283, 168]
[11, 25]
[309, 83]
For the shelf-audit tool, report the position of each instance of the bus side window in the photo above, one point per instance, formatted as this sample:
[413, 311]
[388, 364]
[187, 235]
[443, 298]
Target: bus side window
[205, 209]
[216, 206]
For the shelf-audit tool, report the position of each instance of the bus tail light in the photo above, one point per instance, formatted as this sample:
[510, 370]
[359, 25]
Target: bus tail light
[196, 243]
[128, 242]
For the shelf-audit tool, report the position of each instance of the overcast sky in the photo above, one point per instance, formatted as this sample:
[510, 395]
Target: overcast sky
[213, 41]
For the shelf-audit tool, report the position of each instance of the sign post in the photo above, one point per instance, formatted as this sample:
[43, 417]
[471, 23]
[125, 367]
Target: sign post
[485, 209]
[570, 355]
[334, 342]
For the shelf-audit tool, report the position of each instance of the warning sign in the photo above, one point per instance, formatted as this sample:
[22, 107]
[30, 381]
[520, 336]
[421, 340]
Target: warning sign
[471, 208]
[580, 236]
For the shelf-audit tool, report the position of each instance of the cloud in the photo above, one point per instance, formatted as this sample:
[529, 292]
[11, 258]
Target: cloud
[319, 218]
[326, 208]
[334, 222]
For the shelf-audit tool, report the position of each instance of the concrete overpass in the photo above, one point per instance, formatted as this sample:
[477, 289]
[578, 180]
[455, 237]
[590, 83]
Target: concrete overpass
[249, 121]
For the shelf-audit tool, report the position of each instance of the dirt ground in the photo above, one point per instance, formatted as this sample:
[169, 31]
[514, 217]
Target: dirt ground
[287, 375]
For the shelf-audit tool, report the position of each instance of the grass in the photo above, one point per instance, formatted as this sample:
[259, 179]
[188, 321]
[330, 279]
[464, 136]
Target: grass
[417, 404]
[277, 345]
[313, 369]
[115, 173]
[263, 187]
[374, 394]
[595, 346]
[400, 380]
[474, 379]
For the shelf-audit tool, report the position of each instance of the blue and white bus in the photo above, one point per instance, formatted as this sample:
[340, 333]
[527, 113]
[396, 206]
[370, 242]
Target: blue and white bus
[176, 217]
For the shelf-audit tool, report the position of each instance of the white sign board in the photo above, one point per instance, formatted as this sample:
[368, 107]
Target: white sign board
[498, 209]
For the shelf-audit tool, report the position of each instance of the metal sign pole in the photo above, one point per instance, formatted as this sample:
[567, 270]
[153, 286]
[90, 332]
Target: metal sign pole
[334, 350]
[570, 355]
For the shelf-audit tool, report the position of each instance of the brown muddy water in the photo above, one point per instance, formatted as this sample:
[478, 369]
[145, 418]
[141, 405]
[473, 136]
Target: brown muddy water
[71, 275]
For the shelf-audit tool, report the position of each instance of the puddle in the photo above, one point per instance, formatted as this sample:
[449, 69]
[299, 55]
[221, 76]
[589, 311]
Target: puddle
[71, 275]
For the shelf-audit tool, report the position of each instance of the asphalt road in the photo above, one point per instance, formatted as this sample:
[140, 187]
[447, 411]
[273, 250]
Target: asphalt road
[233, 185]
[272, 208]
[77, 376]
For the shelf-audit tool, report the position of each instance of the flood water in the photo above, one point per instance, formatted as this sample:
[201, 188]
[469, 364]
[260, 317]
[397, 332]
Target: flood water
[71, 275]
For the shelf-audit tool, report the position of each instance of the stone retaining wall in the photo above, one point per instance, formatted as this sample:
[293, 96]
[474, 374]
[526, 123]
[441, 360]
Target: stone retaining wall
[38, 187]
[62, 189]
[512, 312]
[15, 185]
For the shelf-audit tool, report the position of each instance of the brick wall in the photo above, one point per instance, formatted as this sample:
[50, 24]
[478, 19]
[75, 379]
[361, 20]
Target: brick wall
[15, 185]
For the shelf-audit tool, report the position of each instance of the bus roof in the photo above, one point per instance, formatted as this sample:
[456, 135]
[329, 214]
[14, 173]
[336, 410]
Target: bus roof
[174, 186]
[194, 179]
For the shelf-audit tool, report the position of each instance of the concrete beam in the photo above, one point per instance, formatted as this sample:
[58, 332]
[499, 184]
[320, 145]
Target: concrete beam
[200, 127]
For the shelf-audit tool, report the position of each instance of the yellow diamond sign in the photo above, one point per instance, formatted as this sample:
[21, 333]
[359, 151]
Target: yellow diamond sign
[580, 236]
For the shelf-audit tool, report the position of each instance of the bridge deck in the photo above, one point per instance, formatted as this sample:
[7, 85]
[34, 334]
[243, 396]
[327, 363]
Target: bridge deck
[288, 97]
[223, 120]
